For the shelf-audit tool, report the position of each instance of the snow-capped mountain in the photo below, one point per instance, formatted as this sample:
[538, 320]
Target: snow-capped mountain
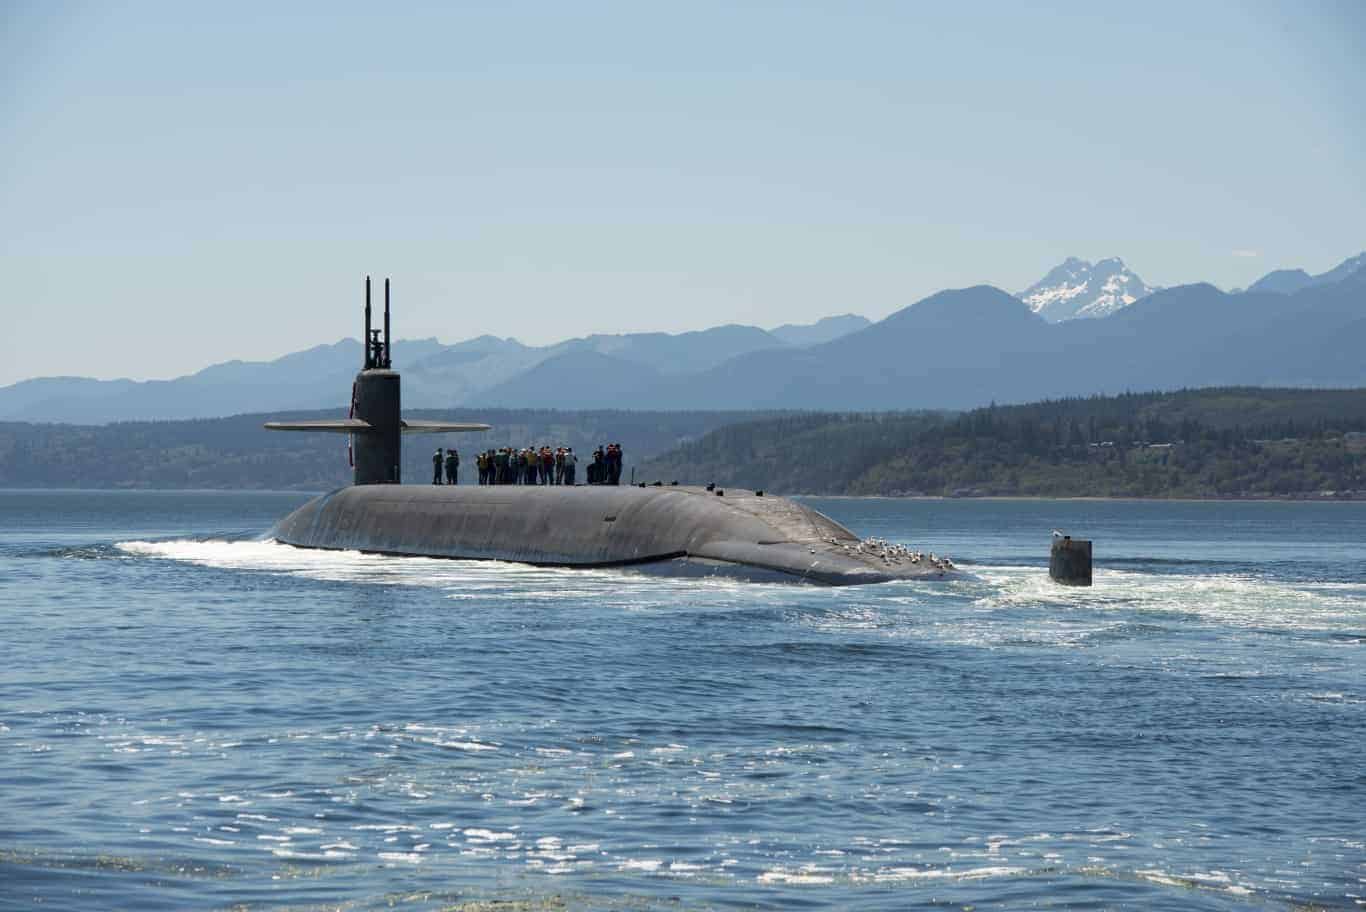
[1077, 289]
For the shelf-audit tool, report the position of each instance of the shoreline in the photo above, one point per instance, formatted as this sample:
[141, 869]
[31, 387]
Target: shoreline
[1289, 498]
[1027, 498]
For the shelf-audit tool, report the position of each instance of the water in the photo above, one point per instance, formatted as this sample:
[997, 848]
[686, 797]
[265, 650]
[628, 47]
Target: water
[194, 718]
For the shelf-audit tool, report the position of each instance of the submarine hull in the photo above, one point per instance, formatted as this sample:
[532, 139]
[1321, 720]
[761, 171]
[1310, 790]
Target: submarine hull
[670, 530]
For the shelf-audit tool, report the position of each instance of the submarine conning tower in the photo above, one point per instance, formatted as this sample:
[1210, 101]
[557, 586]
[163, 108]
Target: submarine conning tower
[376, 422]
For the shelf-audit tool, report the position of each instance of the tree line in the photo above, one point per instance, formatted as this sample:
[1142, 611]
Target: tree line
[1228, 442]
[1234, 442]
[236, 452]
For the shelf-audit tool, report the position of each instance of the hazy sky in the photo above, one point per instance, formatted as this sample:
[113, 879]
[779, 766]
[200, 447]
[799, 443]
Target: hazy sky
[184, 183]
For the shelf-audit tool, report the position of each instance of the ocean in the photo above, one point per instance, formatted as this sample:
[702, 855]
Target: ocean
[195, 717]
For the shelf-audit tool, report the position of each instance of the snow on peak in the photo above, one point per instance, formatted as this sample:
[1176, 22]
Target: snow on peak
[1077, 289]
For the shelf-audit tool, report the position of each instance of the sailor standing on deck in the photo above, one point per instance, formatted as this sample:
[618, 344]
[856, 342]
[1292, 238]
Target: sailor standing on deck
[452, 466]
[613, 463]
[436, 467]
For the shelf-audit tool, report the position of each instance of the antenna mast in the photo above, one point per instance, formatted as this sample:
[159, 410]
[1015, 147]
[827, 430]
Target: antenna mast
[376, 352]
[387, 361]
[365, 340]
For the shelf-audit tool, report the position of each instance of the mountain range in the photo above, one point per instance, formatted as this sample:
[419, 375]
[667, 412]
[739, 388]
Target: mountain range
[434, 375]
[1289, 281]
[1083, 329]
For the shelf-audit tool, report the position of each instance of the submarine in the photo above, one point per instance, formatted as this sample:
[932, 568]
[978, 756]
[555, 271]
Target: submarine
[672, 530]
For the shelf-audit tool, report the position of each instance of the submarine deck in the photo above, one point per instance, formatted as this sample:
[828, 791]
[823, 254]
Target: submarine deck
[596, 526]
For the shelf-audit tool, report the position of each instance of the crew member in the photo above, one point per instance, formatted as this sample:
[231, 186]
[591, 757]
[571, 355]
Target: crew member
[452, 466]
[570, 460]
[436, 467]
[613, 463]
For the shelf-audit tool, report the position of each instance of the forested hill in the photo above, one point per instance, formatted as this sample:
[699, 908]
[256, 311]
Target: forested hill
[1198, 443]
[237, 452]
[1237, 442]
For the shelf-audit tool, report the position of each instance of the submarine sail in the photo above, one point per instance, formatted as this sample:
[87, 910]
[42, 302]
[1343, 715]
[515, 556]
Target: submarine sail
[375, 422]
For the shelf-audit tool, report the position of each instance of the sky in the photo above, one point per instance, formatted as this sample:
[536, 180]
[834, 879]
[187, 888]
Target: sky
[182, 184]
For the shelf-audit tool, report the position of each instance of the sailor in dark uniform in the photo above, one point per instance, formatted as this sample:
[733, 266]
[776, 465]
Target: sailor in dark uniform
[437, 462]
[452, 466]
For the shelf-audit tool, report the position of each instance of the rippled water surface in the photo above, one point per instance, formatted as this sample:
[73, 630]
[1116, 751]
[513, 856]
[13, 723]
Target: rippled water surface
[194, 717]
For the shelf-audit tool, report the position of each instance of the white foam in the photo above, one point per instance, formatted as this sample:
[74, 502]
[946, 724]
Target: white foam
[408, 857]
[903, 874]
[802, 876]
[460, 745]
[465, 579]
[273, 556]
[476, 834]
[1077, 616]
[648, 865]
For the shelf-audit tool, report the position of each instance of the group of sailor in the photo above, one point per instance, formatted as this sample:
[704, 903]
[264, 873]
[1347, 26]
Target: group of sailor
[450, 462]
[528, 466]
[605, 469]
[531, 466]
